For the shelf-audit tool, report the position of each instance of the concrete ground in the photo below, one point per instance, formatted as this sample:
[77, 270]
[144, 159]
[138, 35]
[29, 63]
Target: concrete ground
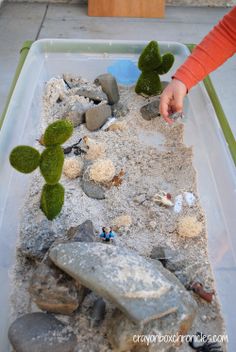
[22, 21]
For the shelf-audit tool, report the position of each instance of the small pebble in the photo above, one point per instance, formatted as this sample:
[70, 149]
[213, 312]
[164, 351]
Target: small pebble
[204, 318]
[153, 225]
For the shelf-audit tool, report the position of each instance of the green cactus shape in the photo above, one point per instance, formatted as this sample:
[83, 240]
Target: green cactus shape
[167, 62]
[52, 200]
[150, 58]
[24, 159]
[51, 164]
[148, 84]
[152, 64]
[57, 133]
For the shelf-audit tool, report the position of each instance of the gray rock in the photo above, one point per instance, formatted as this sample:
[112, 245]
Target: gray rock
[160, 254]
[150, 110]
[139, 287]
[169, 258]
[109, 86]
[98, 312]
[183, 278]
[82, 233]
[76, 113]
[121, 331]
[40, 332]
[54, 291]
[97, 95]
[36, 241]
[93, 190]
[119, 110]
[71, 81]
[97, 116]
[76, 117]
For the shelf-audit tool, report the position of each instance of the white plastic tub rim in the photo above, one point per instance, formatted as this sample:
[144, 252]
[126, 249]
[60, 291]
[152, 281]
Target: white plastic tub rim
[215, 170]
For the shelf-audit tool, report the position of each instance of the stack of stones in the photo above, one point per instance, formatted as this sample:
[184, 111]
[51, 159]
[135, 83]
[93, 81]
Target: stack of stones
[146, 296]
[104, 99]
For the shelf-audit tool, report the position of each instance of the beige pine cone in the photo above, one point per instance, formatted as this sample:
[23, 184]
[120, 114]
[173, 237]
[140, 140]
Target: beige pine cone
[72, 167]
[102, 171]
[189, 226]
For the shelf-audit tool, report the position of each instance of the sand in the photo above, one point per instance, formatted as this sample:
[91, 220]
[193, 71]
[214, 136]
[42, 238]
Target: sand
[154, 158]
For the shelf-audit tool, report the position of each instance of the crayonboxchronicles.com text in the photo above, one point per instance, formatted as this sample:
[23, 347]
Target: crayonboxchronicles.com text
[175, 339]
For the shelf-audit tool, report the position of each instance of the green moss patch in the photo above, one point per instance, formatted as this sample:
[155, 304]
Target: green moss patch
[148, 84]
[167, 62]
[150, 58]
[24, 158]
[58, 133]
[52, 200]
[51, 164]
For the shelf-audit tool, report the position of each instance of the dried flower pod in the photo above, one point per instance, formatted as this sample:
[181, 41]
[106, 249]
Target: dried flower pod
[198, 288]
[117, 179]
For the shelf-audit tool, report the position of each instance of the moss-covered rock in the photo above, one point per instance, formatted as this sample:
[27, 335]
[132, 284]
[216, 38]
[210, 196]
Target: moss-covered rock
[52, 200]
[57, 133]
[152, 64]
[148, 84]
[51, 164]
[167, 62]
[150, 58]
[24, 158]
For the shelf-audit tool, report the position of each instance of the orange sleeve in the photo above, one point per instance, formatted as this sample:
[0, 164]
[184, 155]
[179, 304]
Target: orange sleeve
[214, 50]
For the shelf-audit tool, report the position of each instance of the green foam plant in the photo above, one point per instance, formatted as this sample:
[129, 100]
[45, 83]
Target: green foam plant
[57, 133]
[52, 200]
[26, 159]
[51, 164]
[152, 64]
[148, 84]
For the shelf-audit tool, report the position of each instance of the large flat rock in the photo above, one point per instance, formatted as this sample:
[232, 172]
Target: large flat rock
[139, 287]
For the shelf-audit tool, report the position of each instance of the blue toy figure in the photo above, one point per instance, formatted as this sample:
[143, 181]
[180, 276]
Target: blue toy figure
[107, 234]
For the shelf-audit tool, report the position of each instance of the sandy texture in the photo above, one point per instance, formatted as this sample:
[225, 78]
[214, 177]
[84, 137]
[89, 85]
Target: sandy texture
[153, 158]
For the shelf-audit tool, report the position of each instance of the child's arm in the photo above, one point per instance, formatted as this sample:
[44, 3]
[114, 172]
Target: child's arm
[215, 49]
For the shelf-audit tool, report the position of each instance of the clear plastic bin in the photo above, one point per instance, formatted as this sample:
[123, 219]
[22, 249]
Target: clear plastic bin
[215, 169]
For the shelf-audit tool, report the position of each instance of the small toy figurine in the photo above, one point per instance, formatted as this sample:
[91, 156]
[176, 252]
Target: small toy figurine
[107, 234]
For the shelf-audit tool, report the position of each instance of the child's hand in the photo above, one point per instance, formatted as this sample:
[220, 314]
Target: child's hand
[172, 99]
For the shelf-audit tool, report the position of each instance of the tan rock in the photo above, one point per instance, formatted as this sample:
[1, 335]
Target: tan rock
[118, 126]
[189, 226]
[124, 220]
[53, 291]
[102, 171]
[72, 167]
